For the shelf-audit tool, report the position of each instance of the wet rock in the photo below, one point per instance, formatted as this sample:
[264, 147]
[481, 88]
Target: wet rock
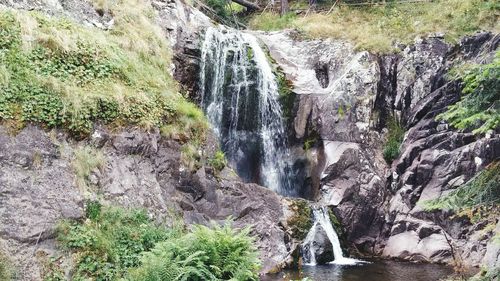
[321, 247]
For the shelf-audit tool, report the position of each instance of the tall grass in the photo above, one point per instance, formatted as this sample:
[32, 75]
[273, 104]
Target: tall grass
[376, 28]
[85, 161]
[61, 74]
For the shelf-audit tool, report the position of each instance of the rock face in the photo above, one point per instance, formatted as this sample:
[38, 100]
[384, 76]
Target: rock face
[344, 101]
[322, 247]
[142, 170]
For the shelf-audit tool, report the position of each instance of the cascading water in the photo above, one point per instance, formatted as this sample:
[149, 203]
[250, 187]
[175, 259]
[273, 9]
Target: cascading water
[322, 220]
[240, 97]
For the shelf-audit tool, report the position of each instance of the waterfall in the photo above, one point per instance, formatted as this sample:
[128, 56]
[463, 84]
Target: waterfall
[240, 96]
[322, 220]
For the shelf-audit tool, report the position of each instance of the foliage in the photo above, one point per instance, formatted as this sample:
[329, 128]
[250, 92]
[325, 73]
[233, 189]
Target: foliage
[301, 221]
[376, 28]
[61, 74]
[5, 268]
[479, 106]
[117, 244]
[109, 242]
[218, 253]
[218, 161]
[86, 160]
[482, 190]
[286, 94]
[394, 139]
[220, 7]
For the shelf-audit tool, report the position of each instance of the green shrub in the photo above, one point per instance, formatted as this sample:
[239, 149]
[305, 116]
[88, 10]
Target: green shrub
[217, 253]
[479, 106]
[482, 190]
[117, 244]
[394, 139]
[109, 242]
[218, 161]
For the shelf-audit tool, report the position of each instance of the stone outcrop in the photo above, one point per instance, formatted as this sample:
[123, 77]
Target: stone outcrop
[344, 99]
[142, 170]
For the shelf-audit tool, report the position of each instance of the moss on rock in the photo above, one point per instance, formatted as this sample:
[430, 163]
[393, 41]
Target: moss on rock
[301, 221]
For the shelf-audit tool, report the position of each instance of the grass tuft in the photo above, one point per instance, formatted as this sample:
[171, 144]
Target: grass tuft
[86, 160]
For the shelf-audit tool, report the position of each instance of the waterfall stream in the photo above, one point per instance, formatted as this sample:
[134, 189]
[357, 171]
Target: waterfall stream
[309, 246]
[240, 97]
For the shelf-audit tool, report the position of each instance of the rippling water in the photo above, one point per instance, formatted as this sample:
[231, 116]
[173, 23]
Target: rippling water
[375, 271]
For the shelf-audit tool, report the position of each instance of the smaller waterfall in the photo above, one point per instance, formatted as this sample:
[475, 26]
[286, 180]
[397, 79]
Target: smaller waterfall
[322, 220]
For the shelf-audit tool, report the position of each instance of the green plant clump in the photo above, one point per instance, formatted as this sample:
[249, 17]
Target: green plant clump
[58, 73]
[117, 244]
[301, 222]
[482, 190]
[218, 253]
[479, 107]
[218, 161]
[394, 139]
[86, 160]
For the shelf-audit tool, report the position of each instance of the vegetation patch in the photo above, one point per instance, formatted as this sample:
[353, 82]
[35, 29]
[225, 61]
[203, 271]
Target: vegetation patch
[481, 191]
[395, 137]
[377, 27]
[479, 107]
[86, 160]
[301, 221]
[57, 73]
[218, 161]
[5, 268]
[218, 253]
[117, 244]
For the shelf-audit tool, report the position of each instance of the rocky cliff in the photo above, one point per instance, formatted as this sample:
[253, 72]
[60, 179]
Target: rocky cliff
[344, 99]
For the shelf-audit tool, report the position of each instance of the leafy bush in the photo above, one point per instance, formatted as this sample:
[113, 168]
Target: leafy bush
[115, 244]
[110, 241]
[479, 107]
[61, 74]
[220, 7]
[394, 139]
[218, 253]
[482, 190]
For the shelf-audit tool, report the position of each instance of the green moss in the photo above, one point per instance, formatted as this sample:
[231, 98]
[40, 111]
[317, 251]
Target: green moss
[286, 94]
[5, 268]
[301, 221]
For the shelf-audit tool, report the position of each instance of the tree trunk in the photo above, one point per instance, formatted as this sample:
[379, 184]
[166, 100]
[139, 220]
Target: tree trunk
[249, 5]
[284, 7]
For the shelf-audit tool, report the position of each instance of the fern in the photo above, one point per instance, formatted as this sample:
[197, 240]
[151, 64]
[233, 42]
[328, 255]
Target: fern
[479, 107]
[217, 253]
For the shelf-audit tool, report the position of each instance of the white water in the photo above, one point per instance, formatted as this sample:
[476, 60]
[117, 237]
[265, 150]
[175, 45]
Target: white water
[241, 99]
[322, 219]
